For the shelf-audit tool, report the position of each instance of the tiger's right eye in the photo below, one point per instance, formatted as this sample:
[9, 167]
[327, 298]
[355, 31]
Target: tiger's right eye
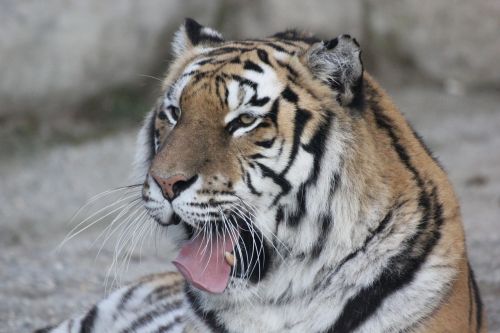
[171, 114]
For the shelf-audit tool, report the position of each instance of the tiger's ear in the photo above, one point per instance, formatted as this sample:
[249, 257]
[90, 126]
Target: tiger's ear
[338, 63]
[191, 34]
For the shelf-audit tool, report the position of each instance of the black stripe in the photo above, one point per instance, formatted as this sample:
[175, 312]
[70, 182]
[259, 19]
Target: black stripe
[426, 148]
[289, 68]
[244, 42]
[254, 101]
[163, 292]
[477, 301]
[208, 317]
[191, 73]
[381, 227]
[408, 262]
[210, 203]
[273, 113]
[219, 82]
[361, 306]
[263, 124]
[290, 95]
[263, 56]
[242, 80]
[204, 61]
[295, 218]
[326, 225]
[334, 185]
[301, 118]
[279, 217]
[126, 297]
[357, 89]
[256, 156]
[249, 183]
[317, 147]
[386, 124]
[265, 143]
[166, 328]
[235, 60]
[149, 316]
[277, 179]
[277, 48]
[89, 320]
[252, 66]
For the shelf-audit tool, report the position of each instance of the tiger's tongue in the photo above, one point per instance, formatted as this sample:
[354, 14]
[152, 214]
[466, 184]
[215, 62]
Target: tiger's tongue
[204, 265]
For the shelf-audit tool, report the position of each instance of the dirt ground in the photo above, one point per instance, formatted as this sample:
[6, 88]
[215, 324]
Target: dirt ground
[39, 192]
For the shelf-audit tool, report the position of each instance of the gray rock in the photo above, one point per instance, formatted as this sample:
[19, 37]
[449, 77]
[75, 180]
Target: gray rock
[326, 18]
[56, 53]
[456, 42]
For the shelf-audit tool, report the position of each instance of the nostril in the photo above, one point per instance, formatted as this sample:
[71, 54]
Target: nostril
[182, 185]
[173, 186]
[178, 187]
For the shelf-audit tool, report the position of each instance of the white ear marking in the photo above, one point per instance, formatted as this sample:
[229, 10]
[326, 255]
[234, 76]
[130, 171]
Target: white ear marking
[191, 34]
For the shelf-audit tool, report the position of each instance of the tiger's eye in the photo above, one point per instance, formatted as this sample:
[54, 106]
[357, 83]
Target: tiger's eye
[246, 119]
[175, 112]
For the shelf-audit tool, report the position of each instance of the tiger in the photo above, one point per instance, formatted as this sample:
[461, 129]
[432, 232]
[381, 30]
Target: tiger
[306, 201]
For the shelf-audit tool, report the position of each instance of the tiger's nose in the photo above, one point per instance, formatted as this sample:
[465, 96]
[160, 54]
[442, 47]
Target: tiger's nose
[173, 186]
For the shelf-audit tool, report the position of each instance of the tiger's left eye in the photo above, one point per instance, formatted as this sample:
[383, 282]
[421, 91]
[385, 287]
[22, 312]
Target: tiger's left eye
[246, 119]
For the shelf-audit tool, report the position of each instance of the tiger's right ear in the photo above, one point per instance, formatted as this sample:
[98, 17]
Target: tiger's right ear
[192, 34]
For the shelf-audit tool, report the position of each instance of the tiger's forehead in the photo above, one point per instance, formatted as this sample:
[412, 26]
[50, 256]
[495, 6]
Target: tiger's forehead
[244, 75]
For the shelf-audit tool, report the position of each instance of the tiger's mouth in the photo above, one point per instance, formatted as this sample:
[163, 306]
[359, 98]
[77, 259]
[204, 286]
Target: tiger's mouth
[208, 260]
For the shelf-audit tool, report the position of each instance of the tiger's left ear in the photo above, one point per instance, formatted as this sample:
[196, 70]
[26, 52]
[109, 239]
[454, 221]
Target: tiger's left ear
[338, 63]
[191, 34]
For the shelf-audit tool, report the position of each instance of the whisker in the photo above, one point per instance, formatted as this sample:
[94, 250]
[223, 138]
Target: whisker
[108, 228]
[251, 209]
[150, 77]
[100, 195]
[119, 247]
[72, 233]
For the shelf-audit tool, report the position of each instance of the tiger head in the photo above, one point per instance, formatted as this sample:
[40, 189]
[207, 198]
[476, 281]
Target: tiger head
[244, 146]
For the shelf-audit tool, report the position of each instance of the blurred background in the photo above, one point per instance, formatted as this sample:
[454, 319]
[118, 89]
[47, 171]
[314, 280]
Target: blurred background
[77, 77]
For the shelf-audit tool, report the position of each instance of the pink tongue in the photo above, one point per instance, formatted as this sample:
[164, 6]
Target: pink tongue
[204, 271]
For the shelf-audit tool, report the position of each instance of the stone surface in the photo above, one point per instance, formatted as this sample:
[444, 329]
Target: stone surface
[39, 193]
[56, 53]
[454, 41]
[325, 18]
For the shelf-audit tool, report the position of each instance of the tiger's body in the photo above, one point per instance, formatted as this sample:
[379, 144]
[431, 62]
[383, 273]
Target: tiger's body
[339, 217]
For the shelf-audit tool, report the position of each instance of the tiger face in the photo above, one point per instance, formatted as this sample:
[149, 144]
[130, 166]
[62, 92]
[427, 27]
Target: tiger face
[230, 149]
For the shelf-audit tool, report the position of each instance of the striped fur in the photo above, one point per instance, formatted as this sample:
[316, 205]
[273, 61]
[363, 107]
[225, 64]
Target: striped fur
[153, 304]
[351, 224]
